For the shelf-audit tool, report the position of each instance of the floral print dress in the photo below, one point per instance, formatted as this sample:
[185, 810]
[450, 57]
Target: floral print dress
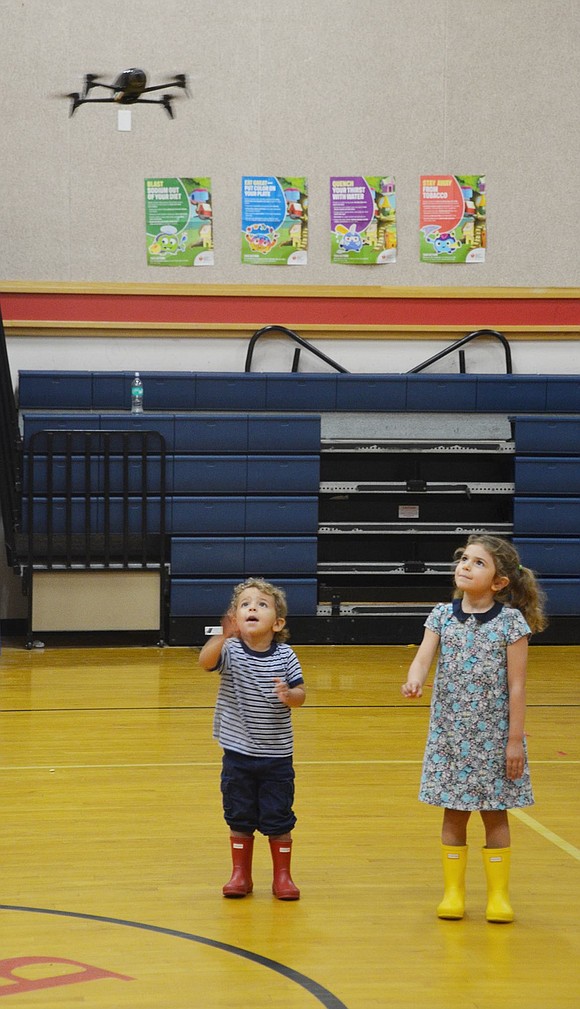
[464, 763]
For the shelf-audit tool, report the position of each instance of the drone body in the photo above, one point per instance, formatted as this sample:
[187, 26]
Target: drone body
[127, 89]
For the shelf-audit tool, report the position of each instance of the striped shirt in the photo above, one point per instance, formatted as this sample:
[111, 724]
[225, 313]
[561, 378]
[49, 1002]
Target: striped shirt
[249, 717]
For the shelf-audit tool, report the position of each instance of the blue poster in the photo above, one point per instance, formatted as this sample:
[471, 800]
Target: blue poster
[274, 220]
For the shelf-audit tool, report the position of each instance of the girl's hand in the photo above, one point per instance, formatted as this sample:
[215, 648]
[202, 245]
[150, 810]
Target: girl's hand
[412, 689]
[514, 760]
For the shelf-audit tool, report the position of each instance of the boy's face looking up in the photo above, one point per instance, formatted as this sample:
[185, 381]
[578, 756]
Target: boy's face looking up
[256, 617]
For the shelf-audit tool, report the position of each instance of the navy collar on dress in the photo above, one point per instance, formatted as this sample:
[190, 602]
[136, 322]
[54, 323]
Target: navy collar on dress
[482, 618]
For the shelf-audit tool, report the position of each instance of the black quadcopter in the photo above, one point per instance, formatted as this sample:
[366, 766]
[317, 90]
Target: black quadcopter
[127, 89]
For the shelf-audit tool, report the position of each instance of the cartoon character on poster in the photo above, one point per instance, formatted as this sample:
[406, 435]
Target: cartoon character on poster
[274, 220]
[363, 219]
[179, 224]
[453, 219]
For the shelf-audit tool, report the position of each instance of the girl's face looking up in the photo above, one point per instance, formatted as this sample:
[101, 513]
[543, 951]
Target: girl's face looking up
[475, 573]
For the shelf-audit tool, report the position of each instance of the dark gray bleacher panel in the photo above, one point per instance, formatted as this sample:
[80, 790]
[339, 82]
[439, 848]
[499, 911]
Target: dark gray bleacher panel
[549, 556]
[61, 510]
[282, 515]
[277, 474]
[230, 391]
[211, 598]
[167, 390]
[547, 516]
[239, 556]
[562, 393]
[510, 393]
[131, 470]
[219, 515]
[547, 435]
[212, 433]
[240, 474]
[254, 391]
[203, 555]
[563, 596]
[137, 522]
[98, 514]
[55, 390]
[111, 390]
[33, 422]
[163, 423]
[313, 393]
[208, 474]
[272, 557]
[283, 433]
[546, 475]
[62, 479]
[380, 393]
[435, 393]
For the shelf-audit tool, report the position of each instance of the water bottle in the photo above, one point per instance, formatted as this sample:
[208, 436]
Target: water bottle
[136, 394]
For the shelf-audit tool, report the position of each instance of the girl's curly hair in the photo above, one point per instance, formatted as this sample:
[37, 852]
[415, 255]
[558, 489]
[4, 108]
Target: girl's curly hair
[523, 591]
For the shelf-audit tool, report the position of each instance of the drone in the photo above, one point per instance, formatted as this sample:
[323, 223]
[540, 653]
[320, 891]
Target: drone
[127, 89]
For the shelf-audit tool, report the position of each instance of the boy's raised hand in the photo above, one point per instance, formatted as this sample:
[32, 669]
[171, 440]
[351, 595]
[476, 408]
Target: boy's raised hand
[230, 627]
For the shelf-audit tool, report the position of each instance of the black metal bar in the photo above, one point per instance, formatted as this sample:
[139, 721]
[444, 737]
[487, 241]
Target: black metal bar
[125, 500]
[30, 502]
[107, 502]
[144, 516]
[49, 502]
[292, 336]
[87, 462]
[461, 343]
[69, 499]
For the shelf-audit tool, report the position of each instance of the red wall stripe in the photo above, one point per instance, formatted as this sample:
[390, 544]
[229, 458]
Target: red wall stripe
[294, 311]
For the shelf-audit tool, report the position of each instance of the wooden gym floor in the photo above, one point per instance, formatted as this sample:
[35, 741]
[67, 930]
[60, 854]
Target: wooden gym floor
[113, 849]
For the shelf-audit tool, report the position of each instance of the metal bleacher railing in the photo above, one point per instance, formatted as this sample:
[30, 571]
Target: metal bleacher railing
[93, 500]
[457, 345]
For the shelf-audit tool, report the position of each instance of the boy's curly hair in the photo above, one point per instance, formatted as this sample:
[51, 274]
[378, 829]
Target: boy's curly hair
[278, 595]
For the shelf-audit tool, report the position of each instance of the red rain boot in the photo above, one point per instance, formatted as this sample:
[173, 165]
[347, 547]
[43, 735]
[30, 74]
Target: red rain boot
[240, 883]
[282, 886]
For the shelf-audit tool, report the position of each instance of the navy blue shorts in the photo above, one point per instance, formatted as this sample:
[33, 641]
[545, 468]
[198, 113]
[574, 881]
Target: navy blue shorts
[258, 793]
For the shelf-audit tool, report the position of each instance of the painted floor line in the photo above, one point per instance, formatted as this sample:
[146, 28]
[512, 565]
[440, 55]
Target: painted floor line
[217, 763]
[545, 832]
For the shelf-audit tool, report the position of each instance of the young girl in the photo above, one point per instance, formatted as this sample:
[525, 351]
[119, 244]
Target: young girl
[475, 758]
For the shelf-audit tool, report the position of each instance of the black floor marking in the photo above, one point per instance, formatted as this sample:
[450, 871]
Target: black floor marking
[325, 997]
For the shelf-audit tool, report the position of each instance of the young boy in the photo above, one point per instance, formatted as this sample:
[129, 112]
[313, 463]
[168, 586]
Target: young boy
[261, 680]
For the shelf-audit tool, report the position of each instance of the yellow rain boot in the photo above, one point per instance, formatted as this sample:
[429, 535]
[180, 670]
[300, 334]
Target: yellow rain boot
[497, 870]
[454, 864]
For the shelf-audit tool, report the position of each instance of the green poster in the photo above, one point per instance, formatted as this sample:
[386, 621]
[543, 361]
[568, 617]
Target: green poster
[178, 220]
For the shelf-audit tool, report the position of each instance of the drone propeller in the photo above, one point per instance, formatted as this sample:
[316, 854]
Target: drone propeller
[166, 103]
[76, 100]
[90, 80]
[179, 81]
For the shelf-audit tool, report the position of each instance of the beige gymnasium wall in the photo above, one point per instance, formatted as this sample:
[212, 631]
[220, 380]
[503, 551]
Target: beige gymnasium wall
[314, 88]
